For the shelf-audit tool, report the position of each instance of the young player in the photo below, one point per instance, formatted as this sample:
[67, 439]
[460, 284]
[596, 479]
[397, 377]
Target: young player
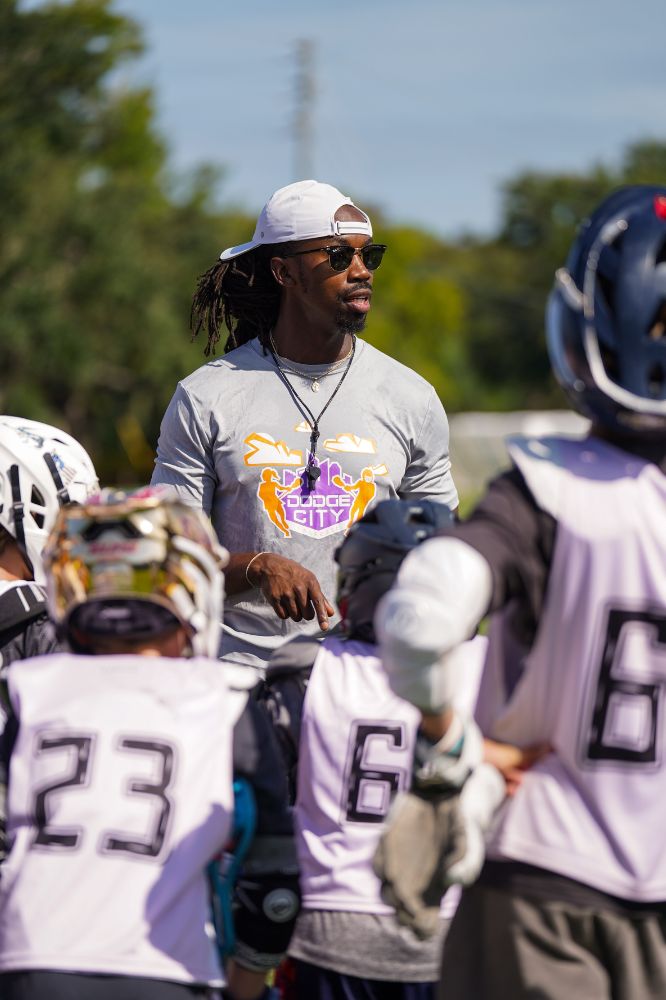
[41, 468]
[120, 757]
[571, 544]
[350, 744]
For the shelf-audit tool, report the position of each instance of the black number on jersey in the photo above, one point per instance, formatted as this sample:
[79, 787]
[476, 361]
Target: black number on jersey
[370, 787]
[626, 709]
[49, 836]
[77, 775]
[150, 846]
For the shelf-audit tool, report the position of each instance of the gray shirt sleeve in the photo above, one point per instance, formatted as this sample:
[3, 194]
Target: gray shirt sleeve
[428, 476]
[184, 453]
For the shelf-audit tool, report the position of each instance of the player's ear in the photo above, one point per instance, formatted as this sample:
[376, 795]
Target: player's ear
[282, 269]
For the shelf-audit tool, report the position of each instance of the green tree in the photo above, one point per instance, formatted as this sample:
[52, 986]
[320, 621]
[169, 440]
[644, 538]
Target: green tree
[420, 313]
[99, 257]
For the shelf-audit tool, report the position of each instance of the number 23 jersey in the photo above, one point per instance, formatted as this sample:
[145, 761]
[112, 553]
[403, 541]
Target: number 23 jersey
[120, 792]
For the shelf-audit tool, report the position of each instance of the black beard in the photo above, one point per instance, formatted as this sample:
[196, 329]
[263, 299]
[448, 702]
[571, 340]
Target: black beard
[345, 324]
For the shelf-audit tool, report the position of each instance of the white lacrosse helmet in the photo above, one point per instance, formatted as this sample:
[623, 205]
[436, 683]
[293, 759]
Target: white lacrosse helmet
[41, 468]
[133, 565]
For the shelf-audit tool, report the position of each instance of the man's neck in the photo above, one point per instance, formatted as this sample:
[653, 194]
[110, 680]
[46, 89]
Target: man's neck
[313, 348]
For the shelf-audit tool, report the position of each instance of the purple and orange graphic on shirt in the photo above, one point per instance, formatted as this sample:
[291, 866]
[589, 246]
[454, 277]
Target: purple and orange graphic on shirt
[272, 493]
[336, 501]
[365, 490]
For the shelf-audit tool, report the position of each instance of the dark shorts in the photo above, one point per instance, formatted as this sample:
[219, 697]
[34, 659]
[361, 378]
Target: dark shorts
[37, 985]
[504, 945]
[302, 981]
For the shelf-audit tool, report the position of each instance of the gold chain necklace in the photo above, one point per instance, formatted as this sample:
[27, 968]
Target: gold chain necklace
[313, 379]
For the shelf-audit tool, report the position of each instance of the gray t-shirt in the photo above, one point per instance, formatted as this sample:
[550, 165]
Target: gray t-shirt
[234, 441]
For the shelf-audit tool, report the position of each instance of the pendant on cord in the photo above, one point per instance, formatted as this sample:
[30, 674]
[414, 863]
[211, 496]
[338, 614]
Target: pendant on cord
[312, 470]
[315, 386]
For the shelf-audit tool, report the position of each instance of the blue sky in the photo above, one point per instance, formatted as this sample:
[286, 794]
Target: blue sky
[423, 107]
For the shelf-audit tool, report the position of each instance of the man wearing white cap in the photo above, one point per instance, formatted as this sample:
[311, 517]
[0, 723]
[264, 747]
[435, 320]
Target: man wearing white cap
[276, 438]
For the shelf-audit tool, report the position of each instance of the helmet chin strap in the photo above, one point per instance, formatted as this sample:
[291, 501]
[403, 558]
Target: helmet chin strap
[18, 513]
[18, 505]
[63, 495]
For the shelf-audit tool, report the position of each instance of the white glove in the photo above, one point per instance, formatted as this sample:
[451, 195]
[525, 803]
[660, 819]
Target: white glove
[482, 795]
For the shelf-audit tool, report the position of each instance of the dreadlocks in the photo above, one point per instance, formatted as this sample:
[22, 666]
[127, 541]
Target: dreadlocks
[243, 294]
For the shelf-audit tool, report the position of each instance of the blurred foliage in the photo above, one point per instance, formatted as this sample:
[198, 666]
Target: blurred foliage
[102, 246]
[99, 252]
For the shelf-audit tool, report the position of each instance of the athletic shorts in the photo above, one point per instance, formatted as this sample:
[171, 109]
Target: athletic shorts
[503, 945]
[301, 981]
[38, 985]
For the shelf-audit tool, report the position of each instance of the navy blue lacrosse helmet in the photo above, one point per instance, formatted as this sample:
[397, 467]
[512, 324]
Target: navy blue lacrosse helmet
[372, 552]
[606, 315]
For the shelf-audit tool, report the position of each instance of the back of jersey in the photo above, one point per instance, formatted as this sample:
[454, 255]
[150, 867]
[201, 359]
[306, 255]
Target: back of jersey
[120, 792]
[593, 683]
[356, 752]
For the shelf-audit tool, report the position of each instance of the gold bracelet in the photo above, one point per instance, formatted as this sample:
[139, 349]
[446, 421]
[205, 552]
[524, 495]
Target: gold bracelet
[255, 556]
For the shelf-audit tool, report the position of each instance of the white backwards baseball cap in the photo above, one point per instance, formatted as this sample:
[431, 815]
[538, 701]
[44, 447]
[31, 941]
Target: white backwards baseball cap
[301, 211]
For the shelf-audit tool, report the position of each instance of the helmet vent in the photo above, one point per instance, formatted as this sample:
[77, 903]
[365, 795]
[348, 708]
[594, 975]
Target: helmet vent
[658, 328]
[607, 270]
[656, 381]
[37, 500]
[661, 255]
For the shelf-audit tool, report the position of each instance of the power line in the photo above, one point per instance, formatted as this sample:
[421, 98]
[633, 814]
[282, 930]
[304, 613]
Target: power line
[303, 125]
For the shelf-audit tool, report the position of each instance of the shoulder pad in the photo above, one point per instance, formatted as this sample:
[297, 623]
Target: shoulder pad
[19, 604]
[240, 677]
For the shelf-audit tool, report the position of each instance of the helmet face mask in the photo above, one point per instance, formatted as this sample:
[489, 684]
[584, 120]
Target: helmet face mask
[41, 468]
[133, 566]
[606, 316]
[371, 554]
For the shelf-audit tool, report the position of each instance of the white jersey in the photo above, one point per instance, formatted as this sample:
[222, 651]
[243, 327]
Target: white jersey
[120, 792]
[356, 752]
[593, 684]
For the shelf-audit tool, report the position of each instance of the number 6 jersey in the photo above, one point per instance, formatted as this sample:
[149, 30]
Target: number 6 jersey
[591, 679]
[120, 792]
[352, 740]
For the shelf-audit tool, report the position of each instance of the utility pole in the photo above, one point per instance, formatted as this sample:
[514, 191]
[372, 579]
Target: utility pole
[303, 130]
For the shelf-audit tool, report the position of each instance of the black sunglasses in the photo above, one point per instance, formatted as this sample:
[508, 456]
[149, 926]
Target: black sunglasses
[341, 256]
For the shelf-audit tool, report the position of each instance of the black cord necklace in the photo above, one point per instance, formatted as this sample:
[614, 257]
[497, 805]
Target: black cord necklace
[312, 470]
